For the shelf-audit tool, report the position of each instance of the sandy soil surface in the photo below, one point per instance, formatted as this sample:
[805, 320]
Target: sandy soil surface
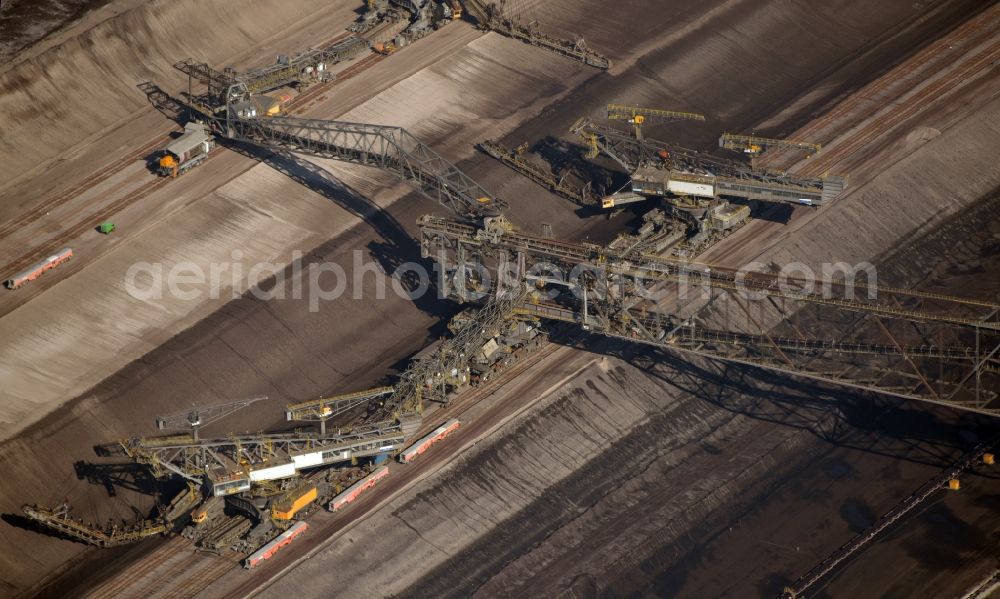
[474, 87]
[629, 519]
[639, 477]
[258, 220]
[70, 375]
[24, 22]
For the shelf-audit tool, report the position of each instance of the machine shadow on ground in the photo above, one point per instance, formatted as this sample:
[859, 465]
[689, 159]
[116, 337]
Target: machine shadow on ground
[112, 476]
[567, 158]
[865, 422]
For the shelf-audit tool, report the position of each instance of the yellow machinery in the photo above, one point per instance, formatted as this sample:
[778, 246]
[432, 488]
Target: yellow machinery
[271, 105]
[168, 164]
[199, 515]
[324, 408]
[636, 116]
[293, 502]
[593, 148]
[209, 508]
[751, 144]
[186, 151]
[384, 48]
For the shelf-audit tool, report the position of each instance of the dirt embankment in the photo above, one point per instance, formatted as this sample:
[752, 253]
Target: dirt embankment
[249, 345]
[86, 85]
[25, 22]
[654, 476]
[568, 498]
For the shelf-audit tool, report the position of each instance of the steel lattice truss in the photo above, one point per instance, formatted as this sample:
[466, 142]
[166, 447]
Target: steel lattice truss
[621, 147]
[217, 83]
[424, 378]
[626, 112]
[195, 418]
[59, 519]
[749, 143]
[290, 71]
[192, 459]
[409, 5]
[327, 407]
[731, 177]
[390, 148]
[903, 343]
[396, 419]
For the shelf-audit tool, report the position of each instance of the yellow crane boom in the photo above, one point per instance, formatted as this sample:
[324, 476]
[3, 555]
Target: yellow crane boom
[327, 407]
[752, 144]
[637, 115]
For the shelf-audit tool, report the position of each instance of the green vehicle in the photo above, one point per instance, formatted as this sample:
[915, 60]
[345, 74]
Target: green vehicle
[106, 227]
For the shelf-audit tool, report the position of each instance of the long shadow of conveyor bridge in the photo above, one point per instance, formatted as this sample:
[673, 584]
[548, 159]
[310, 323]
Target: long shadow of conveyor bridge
[167, 105]
[395, 247]
[841, 417]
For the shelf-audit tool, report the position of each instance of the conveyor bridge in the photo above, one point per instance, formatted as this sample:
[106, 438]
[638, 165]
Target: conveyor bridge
[393, 149]
[491, 18]
[232, 464]
[301, 67]
[658, 169]
[637, 297]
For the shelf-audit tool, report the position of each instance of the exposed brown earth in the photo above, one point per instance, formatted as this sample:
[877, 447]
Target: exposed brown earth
[634, 470]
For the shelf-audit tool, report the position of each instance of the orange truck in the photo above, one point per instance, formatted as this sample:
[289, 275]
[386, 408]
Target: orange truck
[187, 151]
